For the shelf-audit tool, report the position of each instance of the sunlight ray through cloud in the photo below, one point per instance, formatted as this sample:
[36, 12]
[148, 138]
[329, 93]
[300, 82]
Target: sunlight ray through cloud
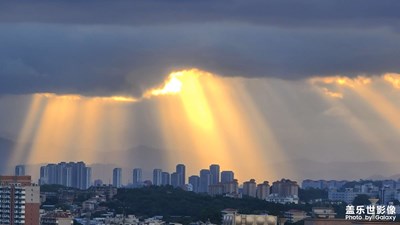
[198, 114]
[369, 90]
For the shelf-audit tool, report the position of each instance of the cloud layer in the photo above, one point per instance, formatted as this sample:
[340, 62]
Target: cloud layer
[108, 48]
[312, 13]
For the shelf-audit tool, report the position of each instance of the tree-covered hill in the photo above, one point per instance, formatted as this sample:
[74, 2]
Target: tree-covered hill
[183, 206]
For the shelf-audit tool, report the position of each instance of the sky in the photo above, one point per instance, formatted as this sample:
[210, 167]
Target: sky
[269, 89]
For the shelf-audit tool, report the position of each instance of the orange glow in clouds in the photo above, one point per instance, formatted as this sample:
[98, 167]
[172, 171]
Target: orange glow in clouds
[210, 124]
[393, 79]
[173, 85]
[369, 90]
[202, 120]
[66, 127]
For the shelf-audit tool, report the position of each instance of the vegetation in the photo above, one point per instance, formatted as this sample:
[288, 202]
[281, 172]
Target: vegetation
[181, 206]
[57, 190]
[177, 205]
[54, 188]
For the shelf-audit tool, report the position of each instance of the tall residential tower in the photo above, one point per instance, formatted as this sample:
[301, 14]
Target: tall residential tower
[117, 177]
[19, 201]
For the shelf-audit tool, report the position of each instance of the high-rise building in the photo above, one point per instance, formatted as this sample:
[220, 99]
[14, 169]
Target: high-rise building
[195, 182]
[205, 180]
[74, 174]
[263, 190]
[137, 177]
[250, 188]
[88, 178]
[216, 189]
[175, 179]
[20, 170]
[52, 173]
[231, 187]
[157, 177]
[214, 170]
[20, 201]
[117, 177]
[180, 170]
[165, 180]
[285, 188]
[71, 174]
[68, 177]
[79, 171]
[61, 173]
[227, 176]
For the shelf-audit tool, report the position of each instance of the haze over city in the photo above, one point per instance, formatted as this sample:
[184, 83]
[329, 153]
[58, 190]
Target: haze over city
[263, 88]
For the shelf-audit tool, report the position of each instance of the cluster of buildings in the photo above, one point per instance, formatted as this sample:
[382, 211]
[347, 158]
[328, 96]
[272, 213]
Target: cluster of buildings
[56, 217]
[232, 217]
[387, 190]
[323, 184]
[210, 181]
[318, 216]
[214, 182]
[20, 199]
[160, 178]
[284, 191]
[72, 174]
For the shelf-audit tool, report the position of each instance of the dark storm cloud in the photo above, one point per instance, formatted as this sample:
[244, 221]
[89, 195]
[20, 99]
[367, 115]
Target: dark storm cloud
[125, 47]
[269, 12]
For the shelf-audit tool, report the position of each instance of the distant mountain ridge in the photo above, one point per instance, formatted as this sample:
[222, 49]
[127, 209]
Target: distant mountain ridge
[380, 177]
[315, 170]
[148, 158]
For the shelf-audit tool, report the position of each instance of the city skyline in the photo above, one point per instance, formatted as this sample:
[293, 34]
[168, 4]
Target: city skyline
[268, 89]
[77, 175]
[282, 191]
[55, 172]
[314, 175]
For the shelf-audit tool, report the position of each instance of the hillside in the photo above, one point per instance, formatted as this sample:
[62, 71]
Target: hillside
[182, 206]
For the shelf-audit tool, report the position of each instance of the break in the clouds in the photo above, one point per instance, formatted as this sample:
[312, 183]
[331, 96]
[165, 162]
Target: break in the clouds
[125, 47]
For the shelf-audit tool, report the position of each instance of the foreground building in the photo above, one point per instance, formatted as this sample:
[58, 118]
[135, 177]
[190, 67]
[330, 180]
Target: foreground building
[315, 221]
[19, 201]
[231, 217]
[294, 215]
[56, 218]
[323, 212]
